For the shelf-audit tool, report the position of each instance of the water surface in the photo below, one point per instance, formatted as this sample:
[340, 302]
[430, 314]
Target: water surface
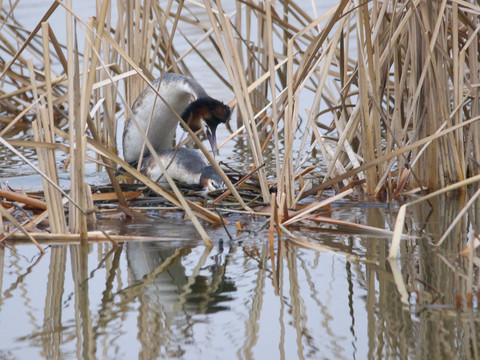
[242, 299]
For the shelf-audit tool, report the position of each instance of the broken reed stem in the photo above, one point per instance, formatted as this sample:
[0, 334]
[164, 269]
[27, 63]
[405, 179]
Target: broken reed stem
[24, 199]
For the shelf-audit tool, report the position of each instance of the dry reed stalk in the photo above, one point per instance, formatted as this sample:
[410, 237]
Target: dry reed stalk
[320, 248]
[109, 196]
[398, 230]
[108, 123]
[77, 139]
[314, 206]
[27, 42]
[228, 49]
[77, 222]
[237, 184]
[34, 167]
[369, 121]
[52, 197]
[34, 144]
[24, 199]
[399, 283]
[19, 226]
[2, 228]
[273, 216]
[274, 225]
[290, 121]
[44, 132]
[459, 216]
[388, 156]
[90, 213]
[272, 80]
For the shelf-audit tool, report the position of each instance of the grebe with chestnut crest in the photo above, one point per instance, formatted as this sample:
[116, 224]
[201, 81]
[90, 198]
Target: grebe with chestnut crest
[186, 165]
[177, 90]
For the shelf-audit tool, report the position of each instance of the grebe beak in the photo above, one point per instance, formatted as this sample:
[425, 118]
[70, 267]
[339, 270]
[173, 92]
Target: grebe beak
[210, 131]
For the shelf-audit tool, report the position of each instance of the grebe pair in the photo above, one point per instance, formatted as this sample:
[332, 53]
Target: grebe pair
[186, 165]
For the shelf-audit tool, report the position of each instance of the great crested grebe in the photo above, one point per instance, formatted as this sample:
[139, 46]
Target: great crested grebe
[185, 165]
[178, 90]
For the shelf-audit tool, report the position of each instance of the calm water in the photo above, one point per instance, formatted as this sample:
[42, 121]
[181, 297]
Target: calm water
[151, 300]
[242, 299]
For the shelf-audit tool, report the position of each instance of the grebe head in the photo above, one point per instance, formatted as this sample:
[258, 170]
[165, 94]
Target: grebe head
[207, 112]
[210, 180]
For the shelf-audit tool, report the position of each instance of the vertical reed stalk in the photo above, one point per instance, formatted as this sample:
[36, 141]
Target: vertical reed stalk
[272, 78]
[228, 50]
[44, 131]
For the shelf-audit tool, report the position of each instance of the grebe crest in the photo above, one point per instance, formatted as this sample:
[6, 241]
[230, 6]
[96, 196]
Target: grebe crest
[210, 112]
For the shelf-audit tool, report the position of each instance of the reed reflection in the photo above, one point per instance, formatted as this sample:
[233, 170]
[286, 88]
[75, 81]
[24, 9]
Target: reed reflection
[52, 322]
[180, 298]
